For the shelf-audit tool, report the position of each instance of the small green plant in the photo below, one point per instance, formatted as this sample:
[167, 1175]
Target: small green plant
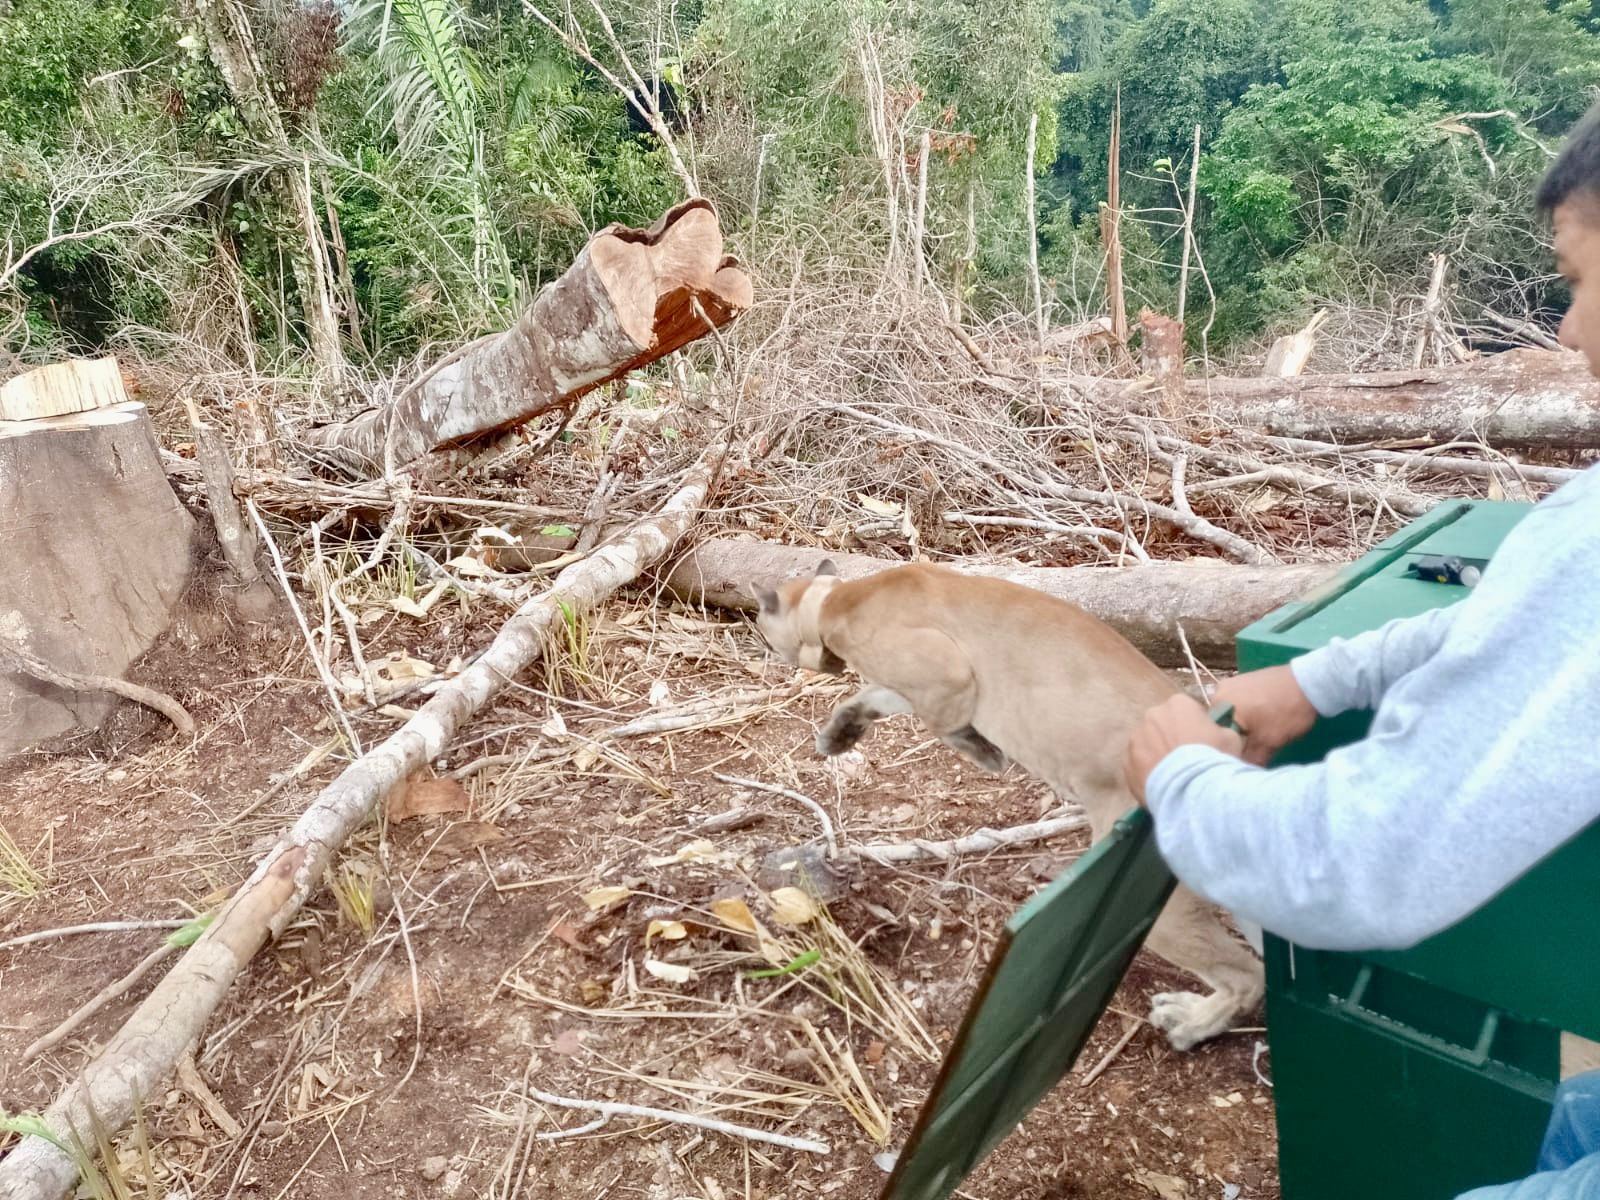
[19, 878]
[357, 904]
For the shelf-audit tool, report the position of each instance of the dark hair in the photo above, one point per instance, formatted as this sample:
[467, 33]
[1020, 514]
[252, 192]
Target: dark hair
[1576, 170]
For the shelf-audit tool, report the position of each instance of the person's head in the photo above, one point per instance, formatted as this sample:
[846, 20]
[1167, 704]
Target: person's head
[1570, 193]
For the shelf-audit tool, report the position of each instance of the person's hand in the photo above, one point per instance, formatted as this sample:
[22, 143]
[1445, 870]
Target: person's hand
[1269, 707]
[1178, 721]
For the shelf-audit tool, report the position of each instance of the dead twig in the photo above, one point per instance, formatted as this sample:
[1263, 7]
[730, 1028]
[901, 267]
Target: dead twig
[610, 1108]
[821, 813]
[17, 658]
[979, 842]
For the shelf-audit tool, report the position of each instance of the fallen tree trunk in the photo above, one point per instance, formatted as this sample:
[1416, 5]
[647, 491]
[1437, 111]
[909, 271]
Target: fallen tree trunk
[1519, 398]
[631, 297]
[1147, 604]
[144, 1052]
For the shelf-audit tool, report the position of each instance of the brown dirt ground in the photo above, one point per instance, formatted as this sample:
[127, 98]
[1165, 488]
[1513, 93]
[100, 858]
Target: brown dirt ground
[316, 1053]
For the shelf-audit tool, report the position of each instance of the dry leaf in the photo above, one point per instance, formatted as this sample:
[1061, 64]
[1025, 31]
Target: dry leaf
[735, 914]
[556, 726]
[568, 1042]
[592, 991]
[565, 931]
[697, 851]
[880, 508]
[427, 797]
[466, 564]
[1264, 500]
[465, 836]
[670, 972]
[604, 898]
[660, 694]
[791, 906]
[1168, 1187]
[667, 931]
[874, 1052]
[1496, 490]
[419, 608]
[402, 668]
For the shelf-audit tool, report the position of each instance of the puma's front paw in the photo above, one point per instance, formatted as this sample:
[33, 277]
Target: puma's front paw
[841, 732]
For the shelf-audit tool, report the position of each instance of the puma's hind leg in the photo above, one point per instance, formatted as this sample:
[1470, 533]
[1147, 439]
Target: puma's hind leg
[1192, 935]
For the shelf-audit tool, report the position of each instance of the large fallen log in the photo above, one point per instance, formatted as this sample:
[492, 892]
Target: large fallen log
[1147, 604]
[631, 297]
[1519, 398]
[139, 1057]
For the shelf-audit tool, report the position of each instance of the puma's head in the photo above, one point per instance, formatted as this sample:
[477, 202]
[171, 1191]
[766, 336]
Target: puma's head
[788, 623]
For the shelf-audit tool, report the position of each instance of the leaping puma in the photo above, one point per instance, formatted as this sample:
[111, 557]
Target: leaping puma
[1001, 671]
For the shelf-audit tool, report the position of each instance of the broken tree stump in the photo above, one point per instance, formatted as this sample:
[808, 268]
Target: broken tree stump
[97, 553]
[631, 297]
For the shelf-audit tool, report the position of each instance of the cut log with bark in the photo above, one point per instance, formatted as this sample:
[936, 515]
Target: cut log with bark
[1148, 604]
[96, 550]
[1519, 398]
[633, 296]
[139, 1057]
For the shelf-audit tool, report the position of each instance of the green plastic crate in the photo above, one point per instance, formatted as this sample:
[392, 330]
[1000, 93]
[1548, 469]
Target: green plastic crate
[1425, 1073]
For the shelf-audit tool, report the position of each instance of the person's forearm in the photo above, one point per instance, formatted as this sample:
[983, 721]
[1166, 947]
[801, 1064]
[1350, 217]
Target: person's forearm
[1355, 673]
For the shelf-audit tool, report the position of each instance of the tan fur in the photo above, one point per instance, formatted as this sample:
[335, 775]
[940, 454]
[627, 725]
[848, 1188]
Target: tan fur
[1001, 671]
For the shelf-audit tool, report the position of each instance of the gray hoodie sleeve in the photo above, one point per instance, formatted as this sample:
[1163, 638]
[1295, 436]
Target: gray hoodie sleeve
[1482, 759]
[1350, 673]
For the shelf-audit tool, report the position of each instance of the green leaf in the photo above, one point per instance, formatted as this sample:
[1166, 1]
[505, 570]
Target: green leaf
[190, 933]
[562, 531]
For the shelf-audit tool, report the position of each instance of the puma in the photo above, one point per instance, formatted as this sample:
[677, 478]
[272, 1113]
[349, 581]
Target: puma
[1002, 672]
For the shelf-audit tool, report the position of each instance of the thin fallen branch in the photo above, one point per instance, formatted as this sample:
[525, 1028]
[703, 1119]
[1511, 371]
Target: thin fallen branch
[49, 935]
[610, 1108]
[101, 998]
[1110, 1055]
[140, 1056]
[980, 842]
[16, 658]
[1431, 460]
[828, 835]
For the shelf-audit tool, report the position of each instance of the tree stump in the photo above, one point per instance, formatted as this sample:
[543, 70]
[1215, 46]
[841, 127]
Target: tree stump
[96, 550]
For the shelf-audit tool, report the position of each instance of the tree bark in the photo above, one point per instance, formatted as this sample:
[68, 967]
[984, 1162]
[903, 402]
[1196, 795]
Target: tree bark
[96, 550]
[632, 296]
[139, 1057]
[1519, 398]
[1146, 604]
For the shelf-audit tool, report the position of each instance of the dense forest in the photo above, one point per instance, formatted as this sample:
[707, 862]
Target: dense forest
[361, 179]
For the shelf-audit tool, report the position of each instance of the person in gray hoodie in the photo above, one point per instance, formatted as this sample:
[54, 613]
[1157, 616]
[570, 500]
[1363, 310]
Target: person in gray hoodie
[1484, 751]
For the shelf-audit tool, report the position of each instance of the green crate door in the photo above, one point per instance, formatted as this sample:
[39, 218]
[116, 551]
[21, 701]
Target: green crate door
[1059, 960]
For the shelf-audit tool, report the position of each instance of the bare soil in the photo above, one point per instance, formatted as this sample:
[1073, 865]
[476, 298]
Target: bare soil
[388, 1061]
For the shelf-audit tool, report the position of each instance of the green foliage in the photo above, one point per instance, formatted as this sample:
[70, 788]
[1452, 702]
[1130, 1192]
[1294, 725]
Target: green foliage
[468, 155]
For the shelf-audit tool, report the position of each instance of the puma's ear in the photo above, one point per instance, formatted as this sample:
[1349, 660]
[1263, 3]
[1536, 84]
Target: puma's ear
[766, 598]
[827, 567]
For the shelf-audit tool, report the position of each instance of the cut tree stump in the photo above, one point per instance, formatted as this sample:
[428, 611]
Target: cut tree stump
[77, 385]
[96, 550]
[631, 297]
[1519, 398]
[1147, 604]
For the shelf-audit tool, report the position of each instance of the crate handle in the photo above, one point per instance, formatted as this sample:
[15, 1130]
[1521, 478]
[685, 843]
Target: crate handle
[1351, 1007]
